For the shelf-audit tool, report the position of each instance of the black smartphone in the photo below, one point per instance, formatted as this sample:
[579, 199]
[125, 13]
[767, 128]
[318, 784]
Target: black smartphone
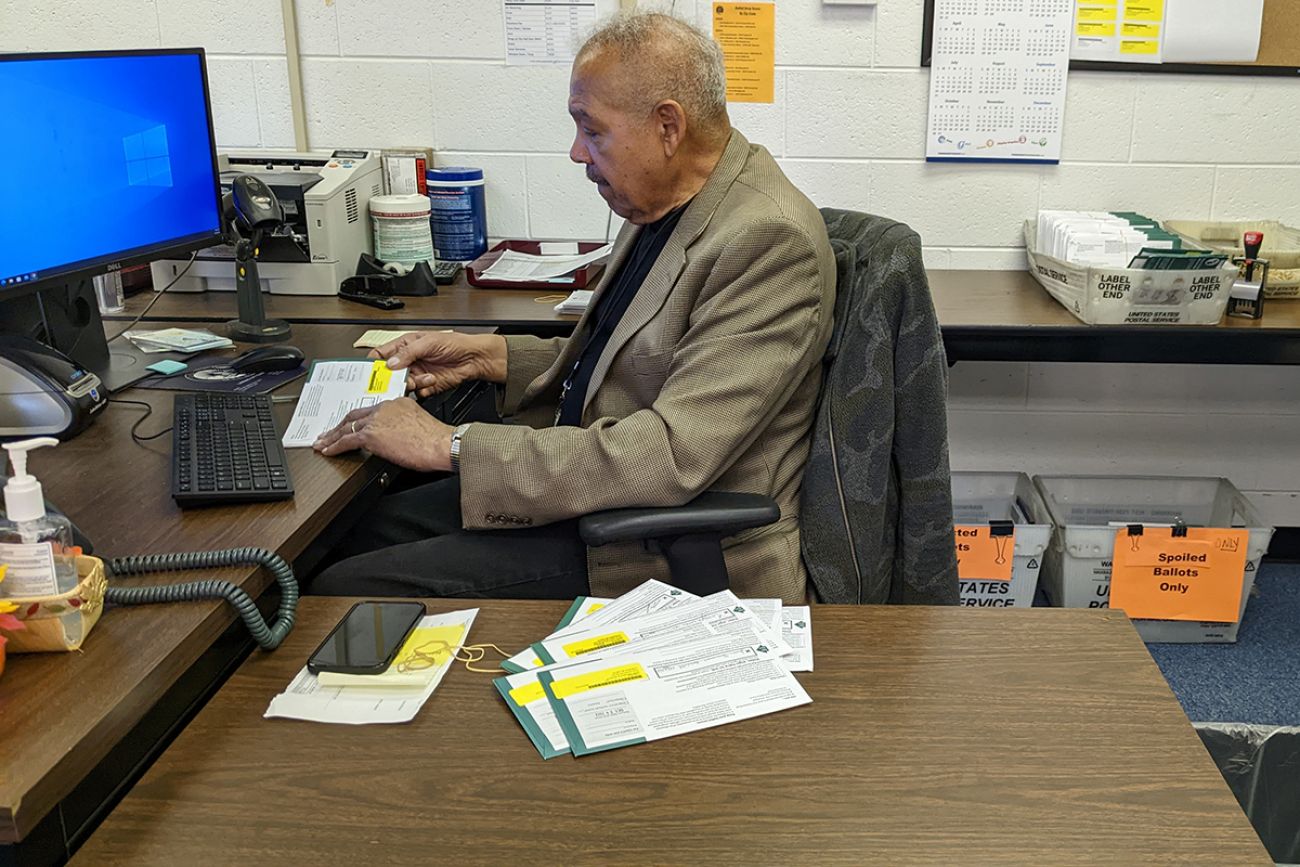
[367, 640]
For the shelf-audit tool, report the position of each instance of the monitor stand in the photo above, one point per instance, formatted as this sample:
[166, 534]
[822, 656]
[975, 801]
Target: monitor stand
[66, 317]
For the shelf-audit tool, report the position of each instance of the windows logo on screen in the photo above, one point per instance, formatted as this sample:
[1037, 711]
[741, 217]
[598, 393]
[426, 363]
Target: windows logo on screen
[148, 164]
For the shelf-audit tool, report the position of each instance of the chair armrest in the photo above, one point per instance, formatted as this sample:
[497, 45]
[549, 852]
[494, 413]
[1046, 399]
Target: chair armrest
[713, 512]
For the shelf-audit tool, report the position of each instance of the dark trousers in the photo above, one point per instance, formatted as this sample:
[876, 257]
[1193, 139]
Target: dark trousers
[412, 544]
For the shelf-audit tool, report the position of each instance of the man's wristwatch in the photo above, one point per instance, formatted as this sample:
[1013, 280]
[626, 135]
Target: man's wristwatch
[455, 447]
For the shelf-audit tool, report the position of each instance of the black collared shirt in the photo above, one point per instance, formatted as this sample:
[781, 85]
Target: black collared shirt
[609, 310]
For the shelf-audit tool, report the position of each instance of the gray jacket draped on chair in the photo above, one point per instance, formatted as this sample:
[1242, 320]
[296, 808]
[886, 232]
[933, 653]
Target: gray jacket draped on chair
[876, 504]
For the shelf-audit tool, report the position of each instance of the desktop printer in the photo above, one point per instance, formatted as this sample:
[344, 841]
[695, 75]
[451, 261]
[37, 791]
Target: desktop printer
[325, 197]
[43, 392]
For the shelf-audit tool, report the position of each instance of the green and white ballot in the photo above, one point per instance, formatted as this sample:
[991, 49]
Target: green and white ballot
[652, 597]
[690, 666]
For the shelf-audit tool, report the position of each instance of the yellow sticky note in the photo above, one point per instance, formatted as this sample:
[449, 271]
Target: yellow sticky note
[379, 377]
[1139, 46]
[1097, 14]
[430, 642]
[527, 693]
[747, 34]
[600, 642]
[1144, 31]
[1095, 28]
[594, 607]
[598, 679]
[1144, 10]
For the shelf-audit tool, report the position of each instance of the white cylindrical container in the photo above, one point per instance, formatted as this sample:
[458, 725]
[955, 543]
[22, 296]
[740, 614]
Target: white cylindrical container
[402, 231]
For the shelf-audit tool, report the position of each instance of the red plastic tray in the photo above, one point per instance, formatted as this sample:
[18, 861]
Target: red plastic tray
[579, 279]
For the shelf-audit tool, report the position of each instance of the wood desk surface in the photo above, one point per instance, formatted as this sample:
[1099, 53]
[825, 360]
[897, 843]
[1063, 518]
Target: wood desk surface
[1014, 299]
[937, 736]
[962, 299]
[457, 304]
[61, 713]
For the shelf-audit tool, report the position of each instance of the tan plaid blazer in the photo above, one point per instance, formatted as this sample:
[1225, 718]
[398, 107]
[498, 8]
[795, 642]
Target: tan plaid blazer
[709, 381]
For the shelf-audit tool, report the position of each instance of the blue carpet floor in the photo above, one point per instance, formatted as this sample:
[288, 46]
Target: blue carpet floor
[1256, 680]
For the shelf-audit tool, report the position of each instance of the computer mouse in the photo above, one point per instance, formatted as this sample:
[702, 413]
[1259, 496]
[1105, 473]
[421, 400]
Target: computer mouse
[268, 358]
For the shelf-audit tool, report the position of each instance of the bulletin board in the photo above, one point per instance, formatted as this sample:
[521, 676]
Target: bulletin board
[1279, 48]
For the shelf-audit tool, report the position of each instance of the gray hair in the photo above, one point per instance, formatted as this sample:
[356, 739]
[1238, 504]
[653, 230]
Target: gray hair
[668, 59]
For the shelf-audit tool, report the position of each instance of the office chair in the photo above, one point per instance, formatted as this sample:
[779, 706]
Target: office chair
[876, 502]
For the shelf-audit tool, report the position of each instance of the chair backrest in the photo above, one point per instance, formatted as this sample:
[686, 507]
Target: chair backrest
[876, 504]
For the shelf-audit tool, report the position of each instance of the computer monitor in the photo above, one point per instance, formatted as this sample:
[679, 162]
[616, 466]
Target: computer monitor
[111, 162]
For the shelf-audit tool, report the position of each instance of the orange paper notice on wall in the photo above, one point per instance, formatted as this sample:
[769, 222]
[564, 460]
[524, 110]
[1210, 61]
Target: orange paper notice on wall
[985, 553]
[1160, 576]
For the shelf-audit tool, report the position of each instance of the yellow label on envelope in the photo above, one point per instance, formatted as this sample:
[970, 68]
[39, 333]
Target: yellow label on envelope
[1139, 46]
[1146, 31]
[379, 377]
[747, 34]
[562, 689]
[1144, 10]
[594, 607]
[1095, 28]
[600, 642]
[527, 693]
[1097, 14]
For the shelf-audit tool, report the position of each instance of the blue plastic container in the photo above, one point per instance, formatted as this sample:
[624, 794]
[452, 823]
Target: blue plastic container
[458, 212]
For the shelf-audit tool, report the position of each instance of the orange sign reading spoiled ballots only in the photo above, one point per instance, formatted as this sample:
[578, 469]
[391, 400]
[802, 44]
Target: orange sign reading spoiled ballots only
[985, 553]
[1160, 576]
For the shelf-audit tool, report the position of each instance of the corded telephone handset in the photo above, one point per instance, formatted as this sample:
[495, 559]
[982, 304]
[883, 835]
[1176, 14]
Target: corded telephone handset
[268, 637]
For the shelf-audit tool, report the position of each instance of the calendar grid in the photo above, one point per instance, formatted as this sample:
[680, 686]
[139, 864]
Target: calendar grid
[998, 79]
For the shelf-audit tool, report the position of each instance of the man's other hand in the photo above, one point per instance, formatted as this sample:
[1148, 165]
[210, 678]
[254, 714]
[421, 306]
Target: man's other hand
[396, 430]
[438, 361]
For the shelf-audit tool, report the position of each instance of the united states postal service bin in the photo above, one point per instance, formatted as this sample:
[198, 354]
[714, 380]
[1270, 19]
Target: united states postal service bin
[977, 499]
[1089, 510]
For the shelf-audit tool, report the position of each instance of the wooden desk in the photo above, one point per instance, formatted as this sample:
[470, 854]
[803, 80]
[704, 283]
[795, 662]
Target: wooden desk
[944, 736]
[984, 315]
[1009, 316]
[456, 305]
[62, 714]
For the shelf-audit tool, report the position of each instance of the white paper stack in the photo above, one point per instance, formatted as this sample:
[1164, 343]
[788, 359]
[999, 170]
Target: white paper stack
[654, 663]
[1100, 239]
[576, 302]
[395, 696]
[177, 340]
[512, 265]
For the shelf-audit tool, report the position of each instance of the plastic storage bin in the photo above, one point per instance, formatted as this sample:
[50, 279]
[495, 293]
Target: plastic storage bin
[1129, 296]
[1076, 570]
[1281, 248]
[978, 498]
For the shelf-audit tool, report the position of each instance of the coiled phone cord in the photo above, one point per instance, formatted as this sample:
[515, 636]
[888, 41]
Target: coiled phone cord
[267, 637]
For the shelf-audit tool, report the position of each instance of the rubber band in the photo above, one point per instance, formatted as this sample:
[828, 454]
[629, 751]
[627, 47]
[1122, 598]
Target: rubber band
[550, 299]
[434, 652]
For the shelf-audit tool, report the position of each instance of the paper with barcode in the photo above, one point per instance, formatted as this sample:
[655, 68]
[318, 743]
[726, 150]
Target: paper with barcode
[743, 648]
[335, 388]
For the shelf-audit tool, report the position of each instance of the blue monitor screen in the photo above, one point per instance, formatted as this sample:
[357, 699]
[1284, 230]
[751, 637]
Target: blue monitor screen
[108, 156]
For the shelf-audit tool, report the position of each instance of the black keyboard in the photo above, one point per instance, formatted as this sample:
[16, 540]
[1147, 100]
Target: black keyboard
[225, 449]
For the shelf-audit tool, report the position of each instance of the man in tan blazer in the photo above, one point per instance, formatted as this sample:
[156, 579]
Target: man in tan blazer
[696, 367]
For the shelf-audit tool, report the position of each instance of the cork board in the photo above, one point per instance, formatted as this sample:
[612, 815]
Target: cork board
[1279, 44]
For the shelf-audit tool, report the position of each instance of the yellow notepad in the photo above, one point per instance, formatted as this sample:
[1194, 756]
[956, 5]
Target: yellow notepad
[376, 337]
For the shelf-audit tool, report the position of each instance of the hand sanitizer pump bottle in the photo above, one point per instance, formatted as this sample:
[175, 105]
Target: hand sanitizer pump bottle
[35, 547]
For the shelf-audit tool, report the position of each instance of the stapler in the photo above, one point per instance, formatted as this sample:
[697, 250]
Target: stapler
[1246, 298]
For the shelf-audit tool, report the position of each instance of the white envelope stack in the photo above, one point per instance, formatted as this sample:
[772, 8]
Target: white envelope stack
[654, 663]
